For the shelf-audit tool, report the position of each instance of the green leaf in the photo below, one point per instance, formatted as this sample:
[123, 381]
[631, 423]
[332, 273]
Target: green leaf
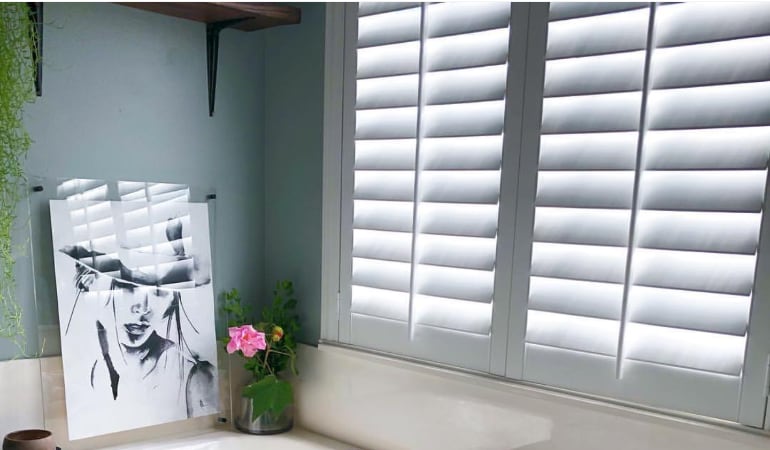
[268, 394]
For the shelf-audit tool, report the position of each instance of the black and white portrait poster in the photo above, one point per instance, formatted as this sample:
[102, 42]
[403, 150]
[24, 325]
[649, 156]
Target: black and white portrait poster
[136, 311]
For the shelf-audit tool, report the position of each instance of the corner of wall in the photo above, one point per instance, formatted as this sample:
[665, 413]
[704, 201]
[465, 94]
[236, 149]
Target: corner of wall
[293, 150]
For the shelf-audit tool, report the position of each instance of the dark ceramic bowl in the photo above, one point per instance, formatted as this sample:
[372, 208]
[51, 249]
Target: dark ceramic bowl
[29, 440]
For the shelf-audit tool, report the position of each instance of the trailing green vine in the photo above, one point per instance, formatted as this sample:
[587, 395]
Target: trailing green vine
[17, 74]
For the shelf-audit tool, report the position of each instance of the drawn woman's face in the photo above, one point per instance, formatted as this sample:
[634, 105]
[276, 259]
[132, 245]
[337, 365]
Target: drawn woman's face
[139, 312]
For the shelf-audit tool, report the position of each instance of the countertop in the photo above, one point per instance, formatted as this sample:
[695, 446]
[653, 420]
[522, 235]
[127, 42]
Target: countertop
[296, 439]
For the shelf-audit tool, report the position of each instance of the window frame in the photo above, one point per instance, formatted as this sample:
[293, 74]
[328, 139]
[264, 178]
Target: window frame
[524, 95]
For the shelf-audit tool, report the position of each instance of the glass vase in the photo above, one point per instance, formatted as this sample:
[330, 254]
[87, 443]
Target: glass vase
[266, 423]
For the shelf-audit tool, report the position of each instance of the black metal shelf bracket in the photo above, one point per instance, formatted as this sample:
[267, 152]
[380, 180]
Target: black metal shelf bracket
[212, 55]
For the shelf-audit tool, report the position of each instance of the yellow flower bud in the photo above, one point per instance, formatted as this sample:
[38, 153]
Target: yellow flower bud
[277, 333]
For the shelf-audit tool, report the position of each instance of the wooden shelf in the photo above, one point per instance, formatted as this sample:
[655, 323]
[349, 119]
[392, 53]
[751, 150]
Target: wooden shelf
[257, 15]
[217, 17]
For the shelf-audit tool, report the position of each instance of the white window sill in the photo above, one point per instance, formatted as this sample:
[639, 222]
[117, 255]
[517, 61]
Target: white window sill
[434, 407]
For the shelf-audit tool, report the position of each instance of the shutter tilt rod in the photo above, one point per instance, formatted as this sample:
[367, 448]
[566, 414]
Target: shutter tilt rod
[212, 55]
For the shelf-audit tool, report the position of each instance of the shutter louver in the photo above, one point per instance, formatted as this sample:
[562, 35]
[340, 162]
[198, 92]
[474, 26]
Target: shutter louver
[428, 150]
[592, 102]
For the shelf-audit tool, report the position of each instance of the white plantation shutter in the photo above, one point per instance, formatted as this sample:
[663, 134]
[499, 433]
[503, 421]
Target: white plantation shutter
[615, 249]
[430, 97]
[704, 168]
[651, 182]
[590, 130]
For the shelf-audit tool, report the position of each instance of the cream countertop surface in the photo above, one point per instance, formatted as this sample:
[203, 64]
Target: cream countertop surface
[296, 439]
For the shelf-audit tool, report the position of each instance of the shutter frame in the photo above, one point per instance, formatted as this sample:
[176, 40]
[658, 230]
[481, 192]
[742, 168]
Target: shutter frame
[526, 188]
[344, 322]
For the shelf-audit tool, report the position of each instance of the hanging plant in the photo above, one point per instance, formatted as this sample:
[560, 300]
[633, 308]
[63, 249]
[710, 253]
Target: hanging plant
[17, 75]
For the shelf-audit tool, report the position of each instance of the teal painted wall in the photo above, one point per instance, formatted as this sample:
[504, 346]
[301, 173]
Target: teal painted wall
[293, 161]
[124, 97]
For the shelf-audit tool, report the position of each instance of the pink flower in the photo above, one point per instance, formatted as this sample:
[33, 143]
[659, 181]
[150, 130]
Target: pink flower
[246, 339]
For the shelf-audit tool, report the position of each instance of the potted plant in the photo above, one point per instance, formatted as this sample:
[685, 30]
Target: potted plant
[269, 348]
